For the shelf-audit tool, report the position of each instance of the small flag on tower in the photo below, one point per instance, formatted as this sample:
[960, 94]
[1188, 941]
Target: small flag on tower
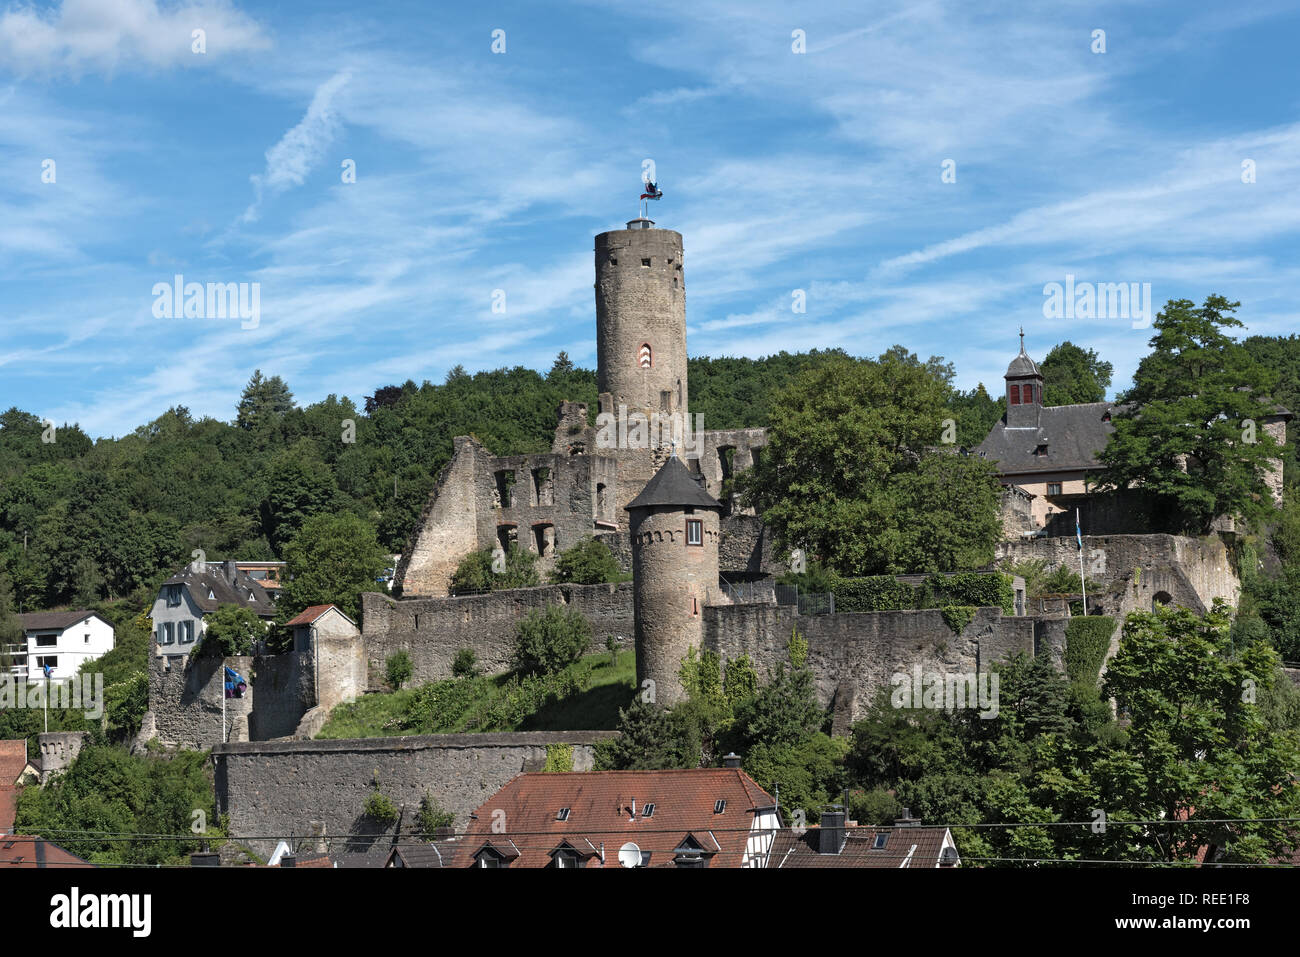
[652, 191]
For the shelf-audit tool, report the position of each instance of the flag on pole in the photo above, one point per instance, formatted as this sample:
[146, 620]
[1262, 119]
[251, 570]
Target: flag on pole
[652, 191]
[1078, 530]
[235, 684]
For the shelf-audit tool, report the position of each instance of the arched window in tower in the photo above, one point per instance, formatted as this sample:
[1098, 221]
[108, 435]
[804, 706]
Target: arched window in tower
[645, 357]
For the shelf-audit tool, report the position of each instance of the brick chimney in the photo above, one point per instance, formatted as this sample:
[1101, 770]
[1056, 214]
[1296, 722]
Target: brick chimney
[731, 760]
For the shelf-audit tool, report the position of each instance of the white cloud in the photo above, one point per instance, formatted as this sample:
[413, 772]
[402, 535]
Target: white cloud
[289, 161]
[82, 36]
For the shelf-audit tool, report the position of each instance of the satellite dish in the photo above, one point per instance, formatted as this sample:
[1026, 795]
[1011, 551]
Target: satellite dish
[629, 855]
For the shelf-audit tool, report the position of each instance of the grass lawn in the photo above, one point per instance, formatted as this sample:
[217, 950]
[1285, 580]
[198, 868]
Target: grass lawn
[598, 688]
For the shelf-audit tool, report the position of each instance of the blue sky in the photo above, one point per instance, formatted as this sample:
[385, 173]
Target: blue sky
[478, 171]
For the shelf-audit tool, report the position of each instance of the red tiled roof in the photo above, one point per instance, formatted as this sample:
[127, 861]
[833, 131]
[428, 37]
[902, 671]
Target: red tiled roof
[13, 759]
[8, 807]
[910, 847]
[34, 852]
[308, 615]
[600, 811]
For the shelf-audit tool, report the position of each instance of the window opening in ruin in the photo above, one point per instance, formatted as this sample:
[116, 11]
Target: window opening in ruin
[645, 262]
[543, 489]
[506, 487]
[600, 499]
[544, 539]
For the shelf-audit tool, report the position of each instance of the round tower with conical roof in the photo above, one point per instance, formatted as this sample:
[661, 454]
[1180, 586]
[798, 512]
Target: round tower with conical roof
[675, 530]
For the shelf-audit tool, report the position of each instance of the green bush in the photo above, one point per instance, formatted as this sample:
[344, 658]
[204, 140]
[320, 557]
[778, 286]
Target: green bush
[957, 617]
[1086, 642]
[231, 630]
[559, 758]
[380, 808]
[465, 664]
[432, 816]
[873, 593]
[589, 562]
[549, 641]
[475, 573]
[438, 706]
[398, 669]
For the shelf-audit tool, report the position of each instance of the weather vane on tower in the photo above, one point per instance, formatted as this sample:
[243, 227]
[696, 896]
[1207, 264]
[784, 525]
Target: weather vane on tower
[652, 191]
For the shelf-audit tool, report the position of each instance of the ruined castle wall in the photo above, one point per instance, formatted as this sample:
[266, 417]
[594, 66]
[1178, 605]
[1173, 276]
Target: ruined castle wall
[448, 527]
[185, 703]
[1136, 570]
[853, 656]
[432, 630]
[744, 446]
[285, 789]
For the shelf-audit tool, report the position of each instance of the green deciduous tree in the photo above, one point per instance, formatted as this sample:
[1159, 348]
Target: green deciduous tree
[332, 560]
[847, 473]
[1193, 434]
[1073, 375]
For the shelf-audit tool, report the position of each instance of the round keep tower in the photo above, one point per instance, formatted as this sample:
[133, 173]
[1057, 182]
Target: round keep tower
[641, 319]
[675, 531]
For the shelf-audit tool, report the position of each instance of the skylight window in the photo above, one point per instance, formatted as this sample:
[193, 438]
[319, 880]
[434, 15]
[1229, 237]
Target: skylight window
[879, 842]
[648, 811]
[563, 814]
[719, 805]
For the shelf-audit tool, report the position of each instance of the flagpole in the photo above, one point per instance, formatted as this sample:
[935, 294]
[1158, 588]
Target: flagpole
[1083, 584]
[223, 700]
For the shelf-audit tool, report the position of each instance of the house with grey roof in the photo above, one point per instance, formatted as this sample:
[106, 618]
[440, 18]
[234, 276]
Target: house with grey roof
[60, 640]
[196, 591]
[1048, 452]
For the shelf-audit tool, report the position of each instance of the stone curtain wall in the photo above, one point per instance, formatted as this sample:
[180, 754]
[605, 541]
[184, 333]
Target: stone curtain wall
[283, 789]
[185, 703]
[432, 630]
[853, 656]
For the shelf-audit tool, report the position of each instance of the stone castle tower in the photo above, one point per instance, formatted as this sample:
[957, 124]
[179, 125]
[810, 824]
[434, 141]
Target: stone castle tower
[674, 531]
[640, 337]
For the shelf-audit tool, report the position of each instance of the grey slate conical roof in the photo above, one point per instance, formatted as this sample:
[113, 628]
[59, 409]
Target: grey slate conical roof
[673, 485]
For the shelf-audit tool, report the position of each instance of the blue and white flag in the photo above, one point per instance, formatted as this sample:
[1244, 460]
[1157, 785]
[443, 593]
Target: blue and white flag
[235, 684]
[1078, 531]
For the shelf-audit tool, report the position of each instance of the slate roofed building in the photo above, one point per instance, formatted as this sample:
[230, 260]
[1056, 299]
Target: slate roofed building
[834, 844]
[199, 589]
[1045, 450]
[700, 817]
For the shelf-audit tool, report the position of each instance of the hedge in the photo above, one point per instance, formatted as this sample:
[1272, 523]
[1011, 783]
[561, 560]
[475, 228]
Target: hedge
[1086, 642]
[887, 593]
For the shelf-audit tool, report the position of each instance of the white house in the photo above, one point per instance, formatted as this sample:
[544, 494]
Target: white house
[63, 640]
[197, 590]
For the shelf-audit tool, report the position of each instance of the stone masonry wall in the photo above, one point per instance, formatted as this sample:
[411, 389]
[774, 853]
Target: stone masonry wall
[853, 656]
[432, 630]
[285, 789]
